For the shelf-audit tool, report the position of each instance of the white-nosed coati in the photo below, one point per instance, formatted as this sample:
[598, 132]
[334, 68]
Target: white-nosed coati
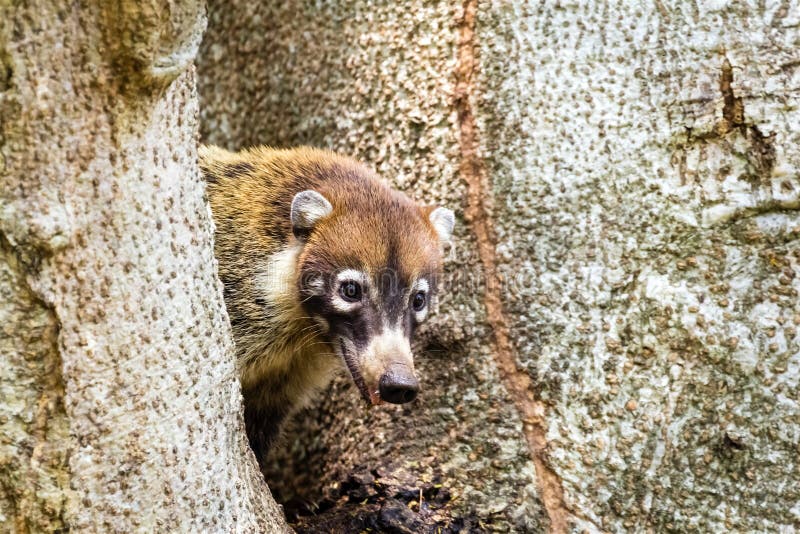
[322, 264]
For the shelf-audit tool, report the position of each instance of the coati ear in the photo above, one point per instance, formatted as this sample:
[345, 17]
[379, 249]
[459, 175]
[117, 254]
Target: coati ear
[308, 207]
[443, 221]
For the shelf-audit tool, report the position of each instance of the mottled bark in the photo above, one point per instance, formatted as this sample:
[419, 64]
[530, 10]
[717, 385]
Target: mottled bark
[119, 408]
[617, 346]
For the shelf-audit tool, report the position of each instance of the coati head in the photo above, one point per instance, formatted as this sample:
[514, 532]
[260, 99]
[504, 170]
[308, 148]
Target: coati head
[367, 275]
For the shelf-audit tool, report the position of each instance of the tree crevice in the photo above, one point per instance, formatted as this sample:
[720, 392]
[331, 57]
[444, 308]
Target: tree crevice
[478, 213]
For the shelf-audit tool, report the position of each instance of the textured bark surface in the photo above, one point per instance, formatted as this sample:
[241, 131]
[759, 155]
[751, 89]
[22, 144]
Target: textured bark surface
[618, 346]
[119, 408]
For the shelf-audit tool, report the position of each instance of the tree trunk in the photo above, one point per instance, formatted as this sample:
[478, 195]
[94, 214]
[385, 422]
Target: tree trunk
[617, 345]
[119, 408]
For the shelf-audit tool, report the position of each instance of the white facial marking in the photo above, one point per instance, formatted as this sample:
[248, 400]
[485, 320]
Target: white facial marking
[276, 280]
[351, 274]
[422, 285]
[341, 305]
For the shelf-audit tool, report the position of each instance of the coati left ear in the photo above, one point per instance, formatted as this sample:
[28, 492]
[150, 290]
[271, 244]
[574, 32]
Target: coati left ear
[308, 207]
[443, 221]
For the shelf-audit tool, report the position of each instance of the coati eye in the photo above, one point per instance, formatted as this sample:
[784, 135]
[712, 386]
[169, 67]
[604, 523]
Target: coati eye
[419, 301]
[350, 291]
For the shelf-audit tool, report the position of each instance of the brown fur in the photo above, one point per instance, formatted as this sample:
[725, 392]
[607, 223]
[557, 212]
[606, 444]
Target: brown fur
[283, 353]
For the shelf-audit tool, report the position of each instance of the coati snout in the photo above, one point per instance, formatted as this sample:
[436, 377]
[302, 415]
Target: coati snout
[324, 266]
[398, 385]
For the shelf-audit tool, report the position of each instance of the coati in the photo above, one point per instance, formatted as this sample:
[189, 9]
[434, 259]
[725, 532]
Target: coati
[323, 266]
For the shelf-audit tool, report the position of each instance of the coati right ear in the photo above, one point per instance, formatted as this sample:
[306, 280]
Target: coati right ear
[443, 221]
[308, 207]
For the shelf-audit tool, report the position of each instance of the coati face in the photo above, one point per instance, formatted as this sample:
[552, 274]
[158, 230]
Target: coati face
[367, 276]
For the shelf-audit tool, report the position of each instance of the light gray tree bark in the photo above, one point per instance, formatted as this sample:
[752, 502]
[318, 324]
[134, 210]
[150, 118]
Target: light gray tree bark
[119, 406]
[617, 348]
